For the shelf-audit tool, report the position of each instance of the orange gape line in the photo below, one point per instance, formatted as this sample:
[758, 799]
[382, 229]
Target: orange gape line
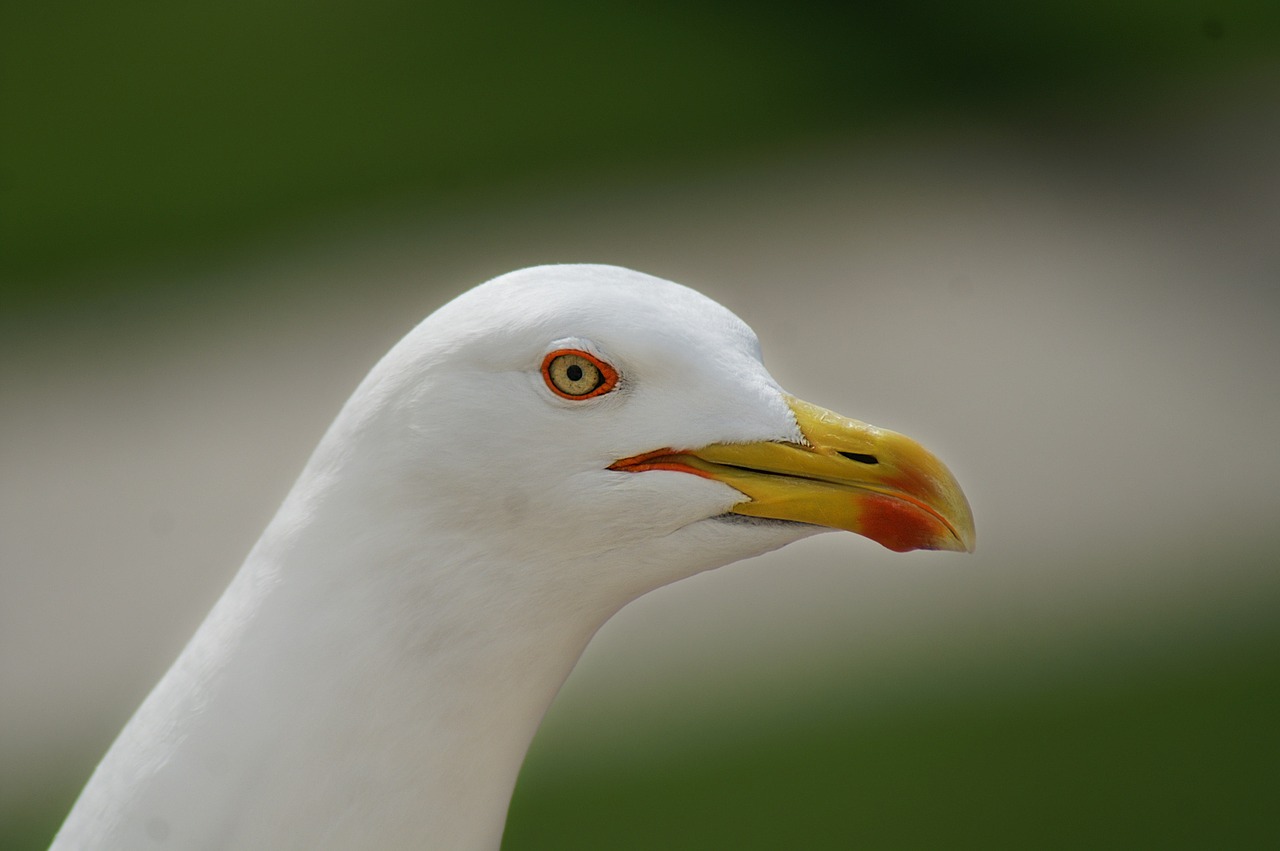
[658, 459]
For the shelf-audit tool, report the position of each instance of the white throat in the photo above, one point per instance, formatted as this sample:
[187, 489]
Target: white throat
[333, 704]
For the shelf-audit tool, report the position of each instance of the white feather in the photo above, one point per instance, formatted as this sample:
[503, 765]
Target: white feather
[375, 672]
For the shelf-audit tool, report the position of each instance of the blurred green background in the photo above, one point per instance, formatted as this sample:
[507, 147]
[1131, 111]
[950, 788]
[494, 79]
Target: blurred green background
[1068, 210]
[147, 132]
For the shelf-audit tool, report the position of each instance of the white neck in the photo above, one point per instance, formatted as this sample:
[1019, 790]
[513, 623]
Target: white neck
[343, 694]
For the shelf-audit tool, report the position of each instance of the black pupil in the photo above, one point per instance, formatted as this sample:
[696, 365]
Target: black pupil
[574, 372]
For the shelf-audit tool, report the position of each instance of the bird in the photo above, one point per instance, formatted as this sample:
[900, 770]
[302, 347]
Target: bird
[538, 452]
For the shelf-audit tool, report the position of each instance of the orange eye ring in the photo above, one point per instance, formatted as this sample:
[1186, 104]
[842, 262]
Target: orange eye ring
[576, 375]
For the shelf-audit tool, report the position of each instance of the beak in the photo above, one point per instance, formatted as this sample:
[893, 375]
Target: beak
[850, 475]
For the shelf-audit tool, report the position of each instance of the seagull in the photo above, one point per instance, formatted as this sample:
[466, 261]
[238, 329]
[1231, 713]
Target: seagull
[537, 453]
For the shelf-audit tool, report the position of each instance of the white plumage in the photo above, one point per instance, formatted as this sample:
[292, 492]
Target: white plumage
[376, 670]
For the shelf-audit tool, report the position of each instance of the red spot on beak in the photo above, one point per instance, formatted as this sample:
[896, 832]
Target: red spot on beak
[898, 525]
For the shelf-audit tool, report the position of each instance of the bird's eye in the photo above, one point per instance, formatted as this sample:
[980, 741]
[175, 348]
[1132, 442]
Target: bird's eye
[574, 374]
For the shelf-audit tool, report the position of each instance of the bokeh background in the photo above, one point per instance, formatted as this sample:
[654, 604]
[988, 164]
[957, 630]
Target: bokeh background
[1041, 238]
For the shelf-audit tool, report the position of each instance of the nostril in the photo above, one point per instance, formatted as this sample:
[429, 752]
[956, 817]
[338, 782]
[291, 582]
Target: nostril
[860, 457]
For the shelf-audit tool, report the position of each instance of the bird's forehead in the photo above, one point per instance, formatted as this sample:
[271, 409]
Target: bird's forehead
[629, 313]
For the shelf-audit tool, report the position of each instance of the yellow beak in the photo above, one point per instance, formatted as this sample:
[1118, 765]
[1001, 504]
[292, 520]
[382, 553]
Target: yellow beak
[851, 475]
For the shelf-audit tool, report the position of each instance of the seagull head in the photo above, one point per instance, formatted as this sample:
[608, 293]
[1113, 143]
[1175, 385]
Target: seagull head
[568, 413]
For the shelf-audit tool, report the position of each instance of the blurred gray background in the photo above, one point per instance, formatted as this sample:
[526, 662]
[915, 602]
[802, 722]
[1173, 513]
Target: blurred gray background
[1043, 243]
